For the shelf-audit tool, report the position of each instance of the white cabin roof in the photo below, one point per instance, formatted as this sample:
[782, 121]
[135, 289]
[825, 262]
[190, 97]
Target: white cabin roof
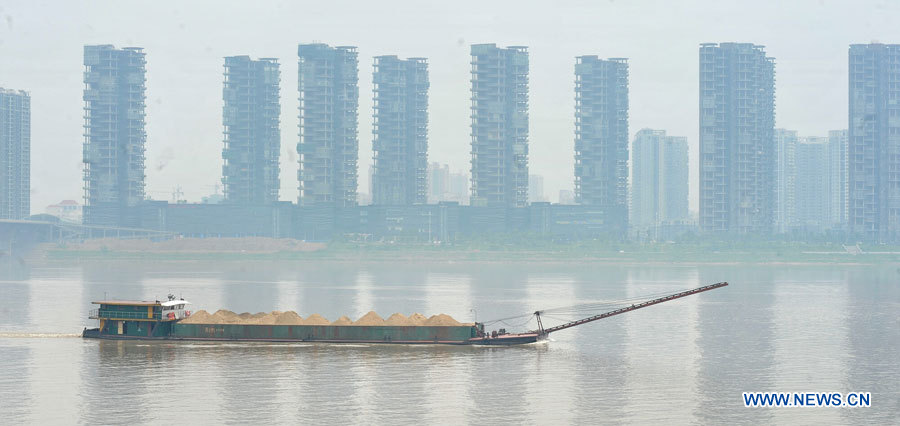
[175, 302]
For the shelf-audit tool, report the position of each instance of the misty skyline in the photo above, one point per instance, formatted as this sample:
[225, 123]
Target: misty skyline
[186, 45]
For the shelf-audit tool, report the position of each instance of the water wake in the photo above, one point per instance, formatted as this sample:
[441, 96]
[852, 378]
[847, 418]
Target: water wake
[37, 335]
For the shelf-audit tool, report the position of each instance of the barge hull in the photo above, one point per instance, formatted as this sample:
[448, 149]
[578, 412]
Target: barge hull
[443, 335]
[309, 333]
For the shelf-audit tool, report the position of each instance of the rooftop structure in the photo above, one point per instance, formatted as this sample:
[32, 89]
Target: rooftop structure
[252, 133]
[114, 134]
[499, 125]
[67, 210]
[400, 130]
[15, 154]
[329, 144]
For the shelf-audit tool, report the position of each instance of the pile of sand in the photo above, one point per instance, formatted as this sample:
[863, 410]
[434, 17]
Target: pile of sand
[370, 318]
[199, 317]
[288, 318]
[316, 319]
[441, 320]
[342, 321]
[269, 318]
[417, 319]
[223, 316]
[397, 319]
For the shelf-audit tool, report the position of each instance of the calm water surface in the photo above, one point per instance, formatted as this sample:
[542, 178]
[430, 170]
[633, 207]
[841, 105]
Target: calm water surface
[778, 328]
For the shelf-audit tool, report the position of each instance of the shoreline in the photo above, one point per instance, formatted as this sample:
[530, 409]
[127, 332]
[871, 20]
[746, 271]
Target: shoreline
[480, 257]
[722, 253]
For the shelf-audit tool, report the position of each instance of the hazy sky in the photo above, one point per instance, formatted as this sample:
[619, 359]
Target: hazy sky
[185, 42]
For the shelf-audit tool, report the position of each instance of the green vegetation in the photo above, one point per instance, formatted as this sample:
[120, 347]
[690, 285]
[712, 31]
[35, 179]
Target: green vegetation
[528, 248]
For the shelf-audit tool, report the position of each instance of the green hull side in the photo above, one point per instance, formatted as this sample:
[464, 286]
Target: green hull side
[323, 333]
[158, 329]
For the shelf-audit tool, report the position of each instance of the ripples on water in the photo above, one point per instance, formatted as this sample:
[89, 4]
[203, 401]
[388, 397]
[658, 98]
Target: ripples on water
[775, 329]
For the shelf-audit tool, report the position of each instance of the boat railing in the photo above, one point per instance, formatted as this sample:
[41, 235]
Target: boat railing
[97, 314]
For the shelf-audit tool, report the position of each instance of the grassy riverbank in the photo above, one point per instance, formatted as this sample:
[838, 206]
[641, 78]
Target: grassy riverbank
[479, 251]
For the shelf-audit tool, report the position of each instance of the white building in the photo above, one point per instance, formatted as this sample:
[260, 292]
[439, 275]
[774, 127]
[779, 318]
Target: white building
[536, 189]
[785, 177]
[659, 182]
[66, 210]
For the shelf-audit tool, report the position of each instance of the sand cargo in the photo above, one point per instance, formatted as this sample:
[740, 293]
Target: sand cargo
[289, 326]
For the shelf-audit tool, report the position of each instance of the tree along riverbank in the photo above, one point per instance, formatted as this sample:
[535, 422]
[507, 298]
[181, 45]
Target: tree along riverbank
[542, 251]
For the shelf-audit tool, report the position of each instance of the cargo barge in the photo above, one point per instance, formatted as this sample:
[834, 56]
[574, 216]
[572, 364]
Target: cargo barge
[166, 320]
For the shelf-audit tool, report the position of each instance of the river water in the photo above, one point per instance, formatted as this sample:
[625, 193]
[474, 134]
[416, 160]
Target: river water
[775, 328]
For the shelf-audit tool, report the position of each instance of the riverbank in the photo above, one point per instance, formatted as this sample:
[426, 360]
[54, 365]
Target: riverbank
[572, 252]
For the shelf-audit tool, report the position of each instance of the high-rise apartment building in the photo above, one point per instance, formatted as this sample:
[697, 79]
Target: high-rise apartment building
[737, 153]
[838, 177]
[810, 182]
[438, 182]
[444, 185]
[252, 130]
[536, 189]
[676, 167]
[601, 136]
[400, 131]
[874, 142]
[659, 182]
[15, 154]
[329, 143]
[785, 179]
[459, 188]
[813, 185]
[499, 125]
[114, 135]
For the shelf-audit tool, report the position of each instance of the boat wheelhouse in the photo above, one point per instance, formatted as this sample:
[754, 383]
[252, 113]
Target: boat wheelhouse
[138, 318]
